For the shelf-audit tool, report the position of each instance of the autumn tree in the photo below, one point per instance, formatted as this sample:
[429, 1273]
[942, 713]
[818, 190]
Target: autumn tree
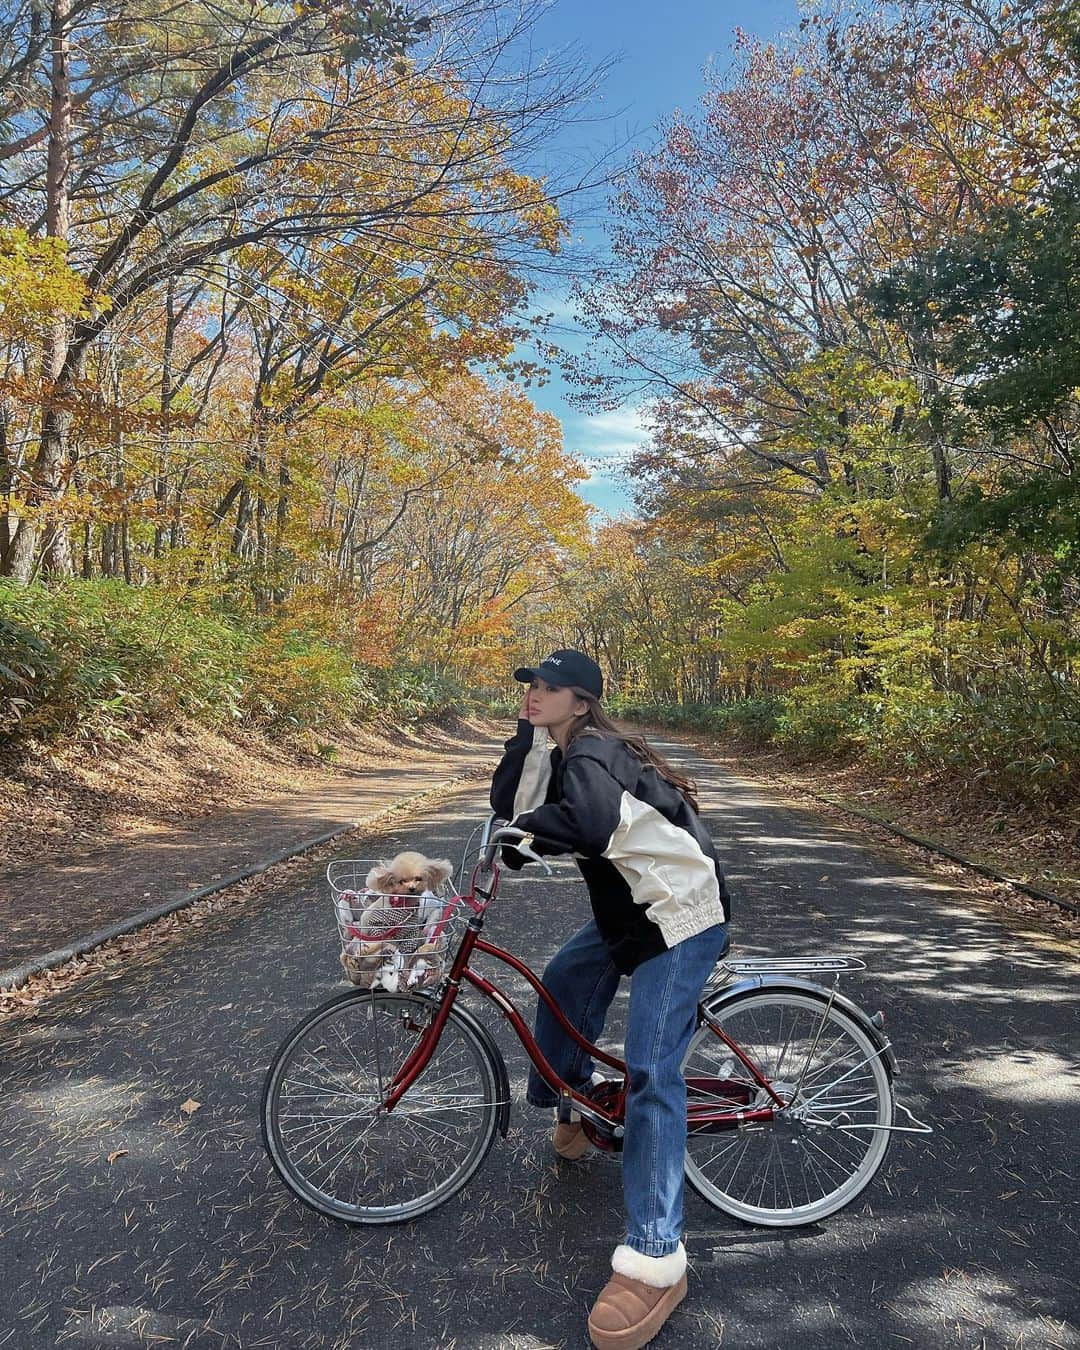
[831, 447]
[204, 140]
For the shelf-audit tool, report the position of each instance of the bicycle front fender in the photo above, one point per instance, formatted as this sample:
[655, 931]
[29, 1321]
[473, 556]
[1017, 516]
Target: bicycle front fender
[733, 993]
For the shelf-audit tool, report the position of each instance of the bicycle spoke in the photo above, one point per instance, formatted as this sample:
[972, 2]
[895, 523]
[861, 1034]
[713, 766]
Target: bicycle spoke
[787, 1183]
[811, 1157]
[478, 1105]
[809, 1101]
[336, 1146]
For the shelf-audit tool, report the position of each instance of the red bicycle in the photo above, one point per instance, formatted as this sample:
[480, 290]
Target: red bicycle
[380, 1106]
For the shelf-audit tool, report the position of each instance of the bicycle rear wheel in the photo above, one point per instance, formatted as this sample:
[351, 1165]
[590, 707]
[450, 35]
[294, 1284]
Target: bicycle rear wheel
[816, 1155]
[325, 1131]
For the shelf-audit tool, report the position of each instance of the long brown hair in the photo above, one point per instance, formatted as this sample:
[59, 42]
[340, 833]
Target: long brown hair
[596, 721]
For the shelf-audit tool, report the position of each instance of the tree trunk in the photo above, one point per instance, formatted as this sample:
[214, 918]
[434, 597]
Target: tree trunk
[6, 481]
[161, 479]
[47, 481]
[243, 508]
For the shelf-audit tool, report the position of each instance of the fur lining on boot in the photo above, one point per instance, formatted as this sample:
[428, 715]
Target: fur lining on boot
[659, 1271]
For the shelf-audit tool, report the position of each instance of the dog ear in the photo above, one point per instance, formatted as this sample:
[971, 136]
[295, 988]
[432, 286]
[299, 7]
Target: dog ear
[381, 878]
[438, 869]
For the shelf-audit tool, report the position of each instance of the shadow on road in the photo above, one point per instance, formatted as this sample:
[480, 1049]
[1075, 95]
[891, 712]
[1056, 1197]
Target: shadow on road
[127, 1222]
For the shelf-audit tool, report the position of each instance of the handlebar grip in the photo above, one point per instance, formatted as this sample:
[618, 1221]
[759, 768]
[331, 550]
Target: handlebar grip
[521, 841]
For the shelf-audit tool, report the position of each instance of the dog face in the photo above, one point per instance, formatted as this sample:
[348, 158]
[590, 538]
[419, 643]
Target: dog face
[409, 873]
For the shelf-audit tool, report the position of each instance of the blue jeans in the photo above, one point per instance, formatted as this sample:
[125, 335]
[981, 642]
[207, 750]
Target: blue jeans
[664, 993]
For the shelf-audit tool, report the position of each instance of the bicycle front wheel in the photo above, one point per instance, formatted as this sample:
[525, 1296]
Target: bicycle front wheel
[326, 1132]
[819, 1152]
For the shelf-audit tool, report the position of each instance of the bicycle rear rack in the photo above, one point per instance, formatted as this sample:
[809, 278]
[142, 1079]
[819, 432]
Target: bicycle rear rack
[727, 967]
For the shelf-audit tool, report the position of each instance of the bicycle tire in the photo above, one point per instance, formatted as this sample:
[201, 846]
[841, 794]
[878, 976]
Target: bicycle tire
[401, 1164]
[813, 1158]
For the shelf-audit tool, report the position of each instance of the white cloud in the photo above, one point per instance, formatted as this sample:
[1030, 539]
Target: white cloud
[604, 441]
[607, 435]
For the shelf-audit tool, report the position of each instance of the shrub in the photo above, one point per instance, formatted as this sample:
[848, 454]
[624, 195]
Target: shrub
[100, 659]
[107, 656]
[1022, 741]
[819, 719]
[294, 681]
[28, 666]
[407, 691]
[751, 719]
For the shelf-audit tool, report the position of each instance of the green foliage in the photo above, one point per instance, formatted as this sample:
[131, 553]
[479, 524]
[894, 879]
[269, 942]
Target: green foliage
[753, 719]
[99, 660]
[378, 31]
[109, 657]
[500, 705]
[1041, 513]
[820, 719]
[1018, 743]
[27, 664]
[750, 720]
[1000, 303]
[408, 691]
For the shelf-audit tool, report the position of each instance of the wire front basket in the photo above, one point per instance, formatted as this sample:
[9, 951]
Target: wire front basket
[393, 942]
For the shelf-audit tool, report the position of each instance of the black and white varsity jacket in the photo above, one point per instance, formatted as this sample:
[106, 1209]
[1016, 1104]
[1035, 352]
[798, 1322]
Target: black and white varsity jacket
[647, 859]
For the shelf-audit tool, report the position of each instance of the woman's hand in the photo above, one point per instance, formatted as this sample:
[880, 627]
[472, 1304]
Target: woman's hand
[523, 711]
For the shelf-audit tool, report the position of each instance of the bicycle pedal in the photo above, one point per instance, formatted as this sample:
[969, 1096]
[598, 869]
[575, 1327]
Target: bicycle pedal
[603, 1137]
[606, 1095]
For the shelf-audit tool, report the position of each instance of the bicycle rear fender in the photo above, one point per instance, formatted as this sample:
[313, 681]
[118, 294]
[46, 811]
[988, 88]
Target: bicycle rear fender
[732, 993]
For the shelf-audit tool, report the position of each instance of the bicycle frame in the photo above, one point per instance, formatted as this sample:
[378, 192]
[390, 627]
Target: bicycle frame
[700, 1115]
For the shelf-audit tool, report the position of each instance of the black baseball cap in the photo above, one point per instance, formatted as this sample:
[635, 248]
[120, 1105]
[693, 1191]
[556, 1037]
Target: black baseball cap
[565, 668]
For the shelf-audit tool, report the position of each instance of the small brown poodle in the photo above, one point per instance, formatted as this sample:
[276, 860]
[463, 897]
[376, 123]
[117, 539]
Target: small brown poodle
[400, 902]
[409, 873]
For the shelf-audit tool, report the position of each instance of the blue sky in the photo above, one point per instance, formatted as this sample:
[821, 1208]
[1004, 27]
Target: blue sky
[662, 51]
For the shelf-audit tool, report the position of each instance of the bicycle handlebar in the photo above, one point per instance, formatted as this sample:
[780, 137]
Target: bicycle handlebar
[518, 838]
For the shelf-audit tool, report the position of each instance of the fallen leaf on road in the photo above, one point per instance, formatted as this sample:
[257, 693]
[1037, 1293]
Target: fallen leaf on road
[190, 1106]
[116, 1153]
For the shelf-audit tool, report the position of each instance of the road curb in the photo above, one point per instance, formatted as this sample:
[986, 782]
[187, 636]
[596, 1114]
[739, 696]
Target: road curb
[1047, 897]
[1036, 892]
[18, 976]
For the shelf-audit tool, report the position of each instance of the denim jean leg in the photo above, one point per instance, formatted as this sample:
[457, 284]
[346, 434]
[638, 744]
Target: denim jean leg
[664, 993]
[583, 981]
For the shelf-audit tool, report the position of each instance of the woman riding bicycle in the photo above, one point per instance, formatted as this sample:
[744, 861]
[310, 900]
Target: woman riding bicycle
[660, 912]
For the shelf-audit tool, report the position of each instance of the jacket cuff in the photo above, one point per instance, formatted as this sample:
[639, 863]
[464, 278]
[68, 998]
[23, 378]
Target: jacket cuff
[522, 737]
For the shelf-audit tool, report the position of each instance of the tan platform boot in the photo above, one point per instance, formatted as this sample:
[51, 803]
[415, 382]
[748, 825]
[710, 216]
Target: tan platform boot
[569, 1139]
[635, 1303]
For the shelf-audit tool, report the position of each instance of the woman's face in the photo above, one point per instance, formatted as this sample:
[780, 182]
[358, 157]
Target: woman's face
[553, 705]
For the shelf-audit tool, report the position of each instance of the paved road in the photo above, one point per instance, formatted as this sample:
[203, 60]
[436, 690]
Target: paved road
[967, 1238]
[162, 861]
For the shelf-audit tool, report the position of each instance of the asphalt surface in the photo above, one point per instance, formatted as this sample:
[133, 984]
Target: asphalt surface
[967, 1237]
[165, 860]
